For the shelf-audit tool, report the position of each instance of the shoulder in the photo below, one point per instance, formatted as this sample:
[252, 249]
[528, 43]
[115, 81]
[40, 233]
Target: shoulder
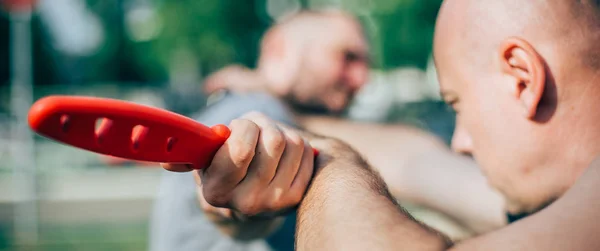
[233, 105]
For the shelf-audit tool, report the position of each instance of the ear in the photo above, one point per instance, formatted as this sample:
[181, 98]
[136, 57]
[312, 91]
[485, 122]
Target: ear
[277, 61]
[272, 45]
[521, 61]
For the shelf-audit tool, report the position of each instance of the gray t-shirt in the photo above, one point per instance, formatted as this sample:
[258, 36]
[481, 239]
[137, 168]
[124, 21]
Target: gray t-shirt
[178, 223]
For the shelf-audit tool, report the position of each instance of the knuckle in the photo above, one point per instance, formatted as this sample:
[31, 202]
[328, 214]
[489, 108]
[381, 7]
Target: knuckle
[294, 197]
[214, 199]
[249, 207]
[295, 140]
[253, 115]
[242, 154]
[236, 123]
[243, 124]
[275, 205]
[274, 139]
[278, 203]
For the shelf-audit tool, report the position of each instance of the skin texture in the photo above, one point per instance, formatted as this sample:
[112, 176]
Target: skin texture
[510, 82]
[524, 95]
[316, 59]
[418, 167]
[309, 59]
[390, 148]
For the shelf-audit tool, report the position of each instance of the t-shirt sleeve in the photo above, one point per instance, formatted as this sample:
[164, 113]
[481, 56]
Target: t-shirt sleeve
[177, 222]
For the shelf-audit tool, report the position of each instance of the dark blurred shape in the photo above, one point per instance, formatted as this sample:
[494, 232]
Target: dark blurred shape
[18, 5]
[4, 55]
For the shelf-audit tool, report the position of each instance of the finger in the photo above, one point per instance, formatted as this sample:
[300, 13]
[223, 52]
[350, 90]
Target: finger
[178, 168]
[216, 213]
[289, 163]
[219, 80]
[248, 197]
[197, 178]
[213, 84]
[230, 164]
[304, 175]
[260, 119]
[270, 147]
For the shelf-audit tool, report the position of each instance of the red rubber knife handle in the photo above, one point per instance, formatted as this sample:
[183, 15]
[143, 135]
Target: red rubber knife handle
[126, 130]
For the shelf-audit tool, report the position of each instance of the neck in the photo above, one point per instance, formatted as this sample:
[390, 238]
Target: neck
[582, 137]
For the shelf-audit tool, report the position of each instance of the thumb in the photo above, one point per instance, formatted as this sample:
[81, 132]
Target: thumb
[212, 85]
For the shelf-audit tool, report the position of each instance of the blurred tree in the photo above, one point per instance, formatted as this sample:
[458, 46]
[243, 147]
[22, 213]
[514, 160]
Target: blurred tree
[216, 32]
[406, 31]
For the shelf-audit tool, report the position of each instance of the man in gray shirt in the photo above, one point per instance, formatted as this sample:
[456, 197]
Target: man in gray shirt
[313, 60]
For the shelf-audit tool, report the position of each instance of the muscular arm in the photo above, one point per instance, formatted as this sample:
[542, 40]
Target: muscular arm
[347, 208]
[419, 168]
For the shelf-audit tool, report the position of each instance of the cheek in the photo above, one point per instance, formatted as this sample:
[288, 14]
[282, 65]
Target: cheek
[327, 67]
[502, 144]
[493, 136]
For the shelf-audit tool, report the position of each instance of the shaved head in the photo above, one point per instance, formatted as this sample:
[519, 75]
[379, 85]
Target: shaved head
[524, 79]
[310, 25]
[316, 59]
[479, 25]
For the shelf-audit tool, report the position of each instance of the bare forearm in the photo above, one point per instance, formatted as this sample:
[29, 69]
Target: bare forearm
[419, 168]
[348, 208]
[381, 144]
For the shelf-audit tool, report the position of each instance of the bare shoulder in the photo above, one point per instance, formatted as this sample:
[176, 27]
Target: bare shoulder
[595, 167]
[570, 223]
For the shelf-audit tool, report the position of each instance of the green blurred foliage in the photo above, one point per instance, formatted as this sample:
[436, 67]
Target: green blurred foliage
[216, 33]
[405, 31]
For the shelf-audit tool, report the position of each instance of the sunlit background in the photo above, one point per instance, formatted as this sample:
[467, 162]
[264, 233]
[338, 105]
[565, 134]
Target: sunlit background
[157, 52]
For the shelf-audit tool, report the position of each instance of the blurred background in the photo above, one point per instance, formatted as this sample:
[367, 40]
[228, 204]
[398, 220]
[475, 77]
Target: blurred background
[157, 52]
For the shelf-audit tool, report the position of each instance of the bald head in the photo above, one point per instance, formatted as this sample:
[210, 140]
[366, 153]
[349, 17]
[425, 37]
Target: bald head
[309, 25]
[300, 31]
[524, 77]
[481, 25]
[315, 58]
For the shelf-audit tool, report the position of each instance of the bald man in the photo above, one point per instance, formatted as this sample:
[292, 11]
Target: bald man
[313, 60]
[523, 78]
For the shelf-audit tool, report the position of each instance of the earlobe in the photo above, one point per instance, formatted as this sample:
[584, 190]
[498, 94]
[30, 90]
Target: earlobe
[521, 61]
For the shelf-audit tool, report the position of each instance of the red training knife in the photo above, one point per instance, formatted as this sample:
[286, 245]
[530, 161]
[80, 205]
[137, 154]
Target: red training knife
[127, 130]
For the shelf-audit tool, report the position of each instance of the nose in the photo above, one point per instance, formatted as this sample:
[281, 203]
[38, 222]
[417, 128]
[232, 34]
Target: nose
[461, 141]
[356, 74]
